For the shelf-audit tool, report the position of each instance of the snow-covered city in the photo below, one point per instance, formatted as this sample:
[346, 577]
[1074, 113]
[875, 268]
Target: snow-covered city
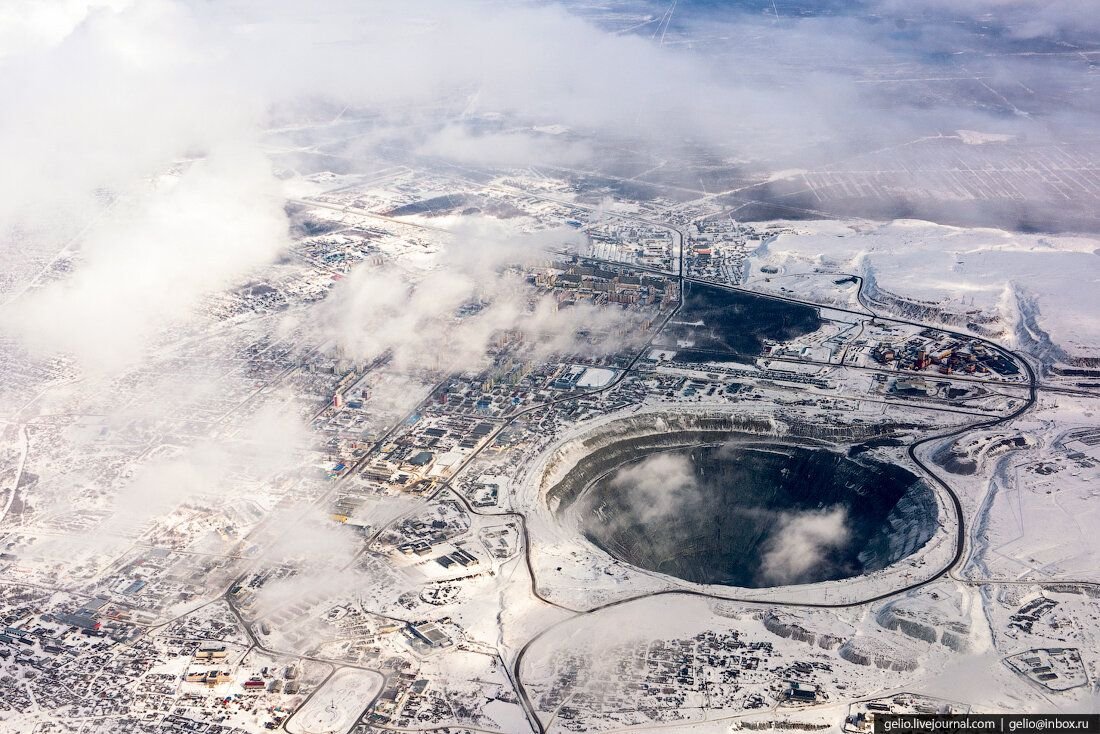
[519, 367]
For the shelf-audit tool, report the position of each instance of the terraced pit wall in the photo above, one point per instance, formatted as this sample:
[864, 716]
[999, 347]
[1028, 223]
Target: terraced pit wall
[579, 462]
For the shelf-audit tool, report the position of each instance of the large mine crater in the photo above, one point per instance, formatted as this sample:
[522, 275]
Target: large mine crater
[748, 514]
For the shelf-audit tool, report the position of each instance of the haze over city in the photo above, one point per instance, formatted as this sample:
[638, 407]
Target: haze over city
[547, 366]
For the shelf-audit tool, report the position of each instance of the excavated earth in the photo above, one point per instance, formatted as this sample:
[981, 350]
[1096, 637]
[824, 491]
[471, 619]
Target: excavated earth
[749, 514]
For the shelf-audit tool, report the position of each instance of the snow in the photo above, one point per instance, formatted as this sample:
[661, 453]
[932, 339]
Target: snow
[596, 377]
[335, 706]
[964, 272]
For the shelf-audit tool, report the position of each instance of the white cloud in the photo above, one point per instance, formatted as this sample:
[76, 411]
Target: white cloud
[110, 94]
[416, 318]
[31, 25]
[102, 98]
[801, 543]
[659, 486]
[1022, 19]
[156, 256]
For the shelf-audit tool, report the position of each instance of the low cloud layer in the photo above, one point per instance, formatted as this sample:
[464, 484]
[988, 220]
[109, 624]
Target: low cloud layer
[112, 94]
[171, 481]
[801, 543]
[150, 262]
[144, 150]
[448, 318]
[659, 486]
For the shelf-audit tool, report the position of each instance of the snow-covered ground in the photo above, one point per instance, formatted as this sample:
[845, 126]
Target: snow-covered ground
[970, 274]
[596, 377]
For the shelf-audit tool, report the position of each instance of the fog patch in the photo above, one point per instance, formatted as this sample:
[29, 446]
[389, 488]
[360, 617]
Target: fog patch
[152, 261]
[658, 485]
[474, 295]
[801, 544]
